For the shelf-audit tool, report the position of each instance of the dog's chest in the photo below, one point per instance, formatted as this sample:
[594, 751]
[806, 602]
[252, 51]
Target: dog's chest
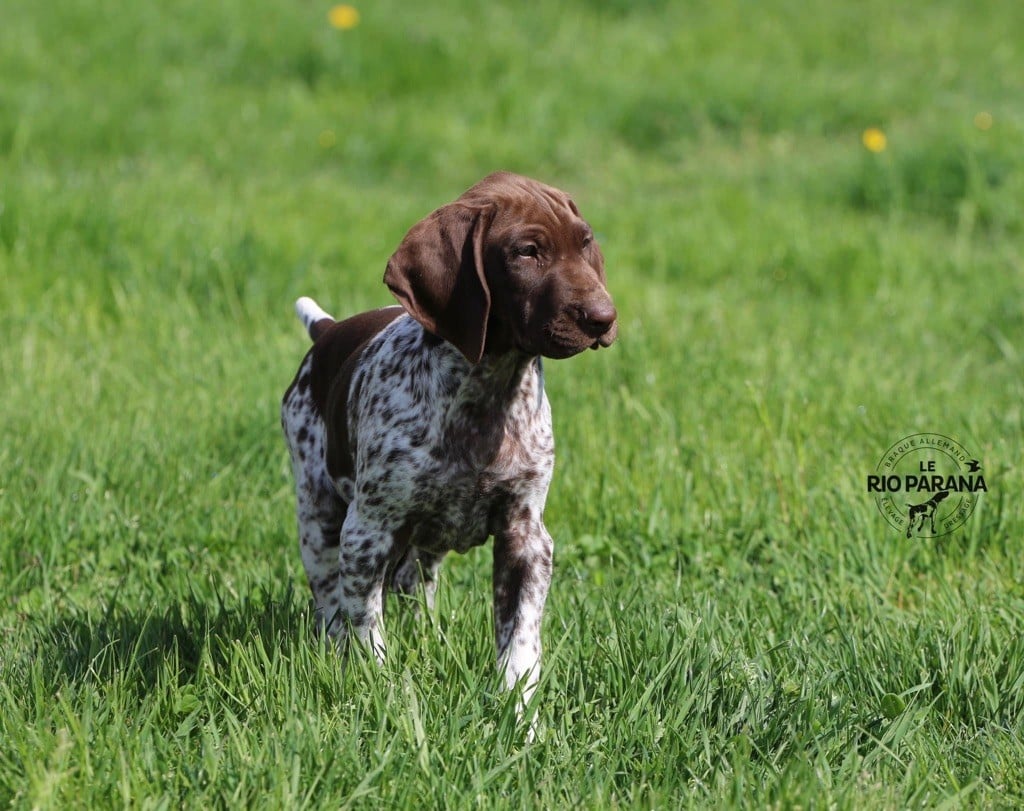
[458, 504]
[451, 449]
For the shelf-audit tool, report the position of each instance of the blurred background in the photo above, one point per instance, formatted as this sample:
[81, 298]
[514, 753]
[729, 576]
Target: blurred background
[812, 219]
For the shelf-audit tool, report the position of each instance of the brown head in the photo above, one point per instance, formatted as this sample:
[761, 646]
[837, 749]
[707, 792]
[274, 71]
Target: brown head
[510, 265]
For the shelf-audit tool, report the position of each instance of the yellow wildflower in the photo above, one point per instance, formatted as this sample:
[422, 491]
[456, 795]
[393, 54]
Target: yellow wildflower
[874, 139]
[983, 121]
[343, 17]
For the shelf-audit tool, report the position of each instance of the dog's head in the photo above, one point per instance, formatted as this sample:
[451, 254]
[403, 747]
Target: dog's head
[510, 265]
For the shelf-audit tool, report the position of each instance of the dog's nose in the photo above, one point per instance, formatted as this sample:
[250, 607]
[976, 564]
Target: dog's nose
[596, 319]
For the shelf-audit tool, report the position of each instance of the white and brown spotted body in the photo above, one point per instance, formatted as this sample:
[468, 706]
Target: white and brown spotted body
[423, 429]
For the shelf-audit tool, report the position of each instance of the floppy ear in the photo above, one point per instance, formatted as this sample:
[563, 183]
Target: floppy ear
[437, 275]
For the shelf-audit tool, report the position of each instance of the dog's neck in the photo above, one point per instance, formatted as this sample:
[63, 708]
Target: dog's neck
[500, 380]
[499, 391]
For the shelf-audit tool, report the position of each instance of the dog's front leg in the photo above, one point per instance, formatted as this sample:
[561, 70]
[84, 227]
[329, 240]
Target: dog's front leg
[363, 557]
[522, 574]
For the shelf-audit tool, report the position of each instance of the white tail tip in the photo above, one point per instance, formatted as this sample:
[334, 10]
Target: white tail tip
[310, 313]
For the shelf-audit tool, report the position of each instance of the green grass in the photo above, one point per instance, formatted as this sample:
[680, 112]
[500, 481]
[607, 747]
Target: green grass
[732, 623]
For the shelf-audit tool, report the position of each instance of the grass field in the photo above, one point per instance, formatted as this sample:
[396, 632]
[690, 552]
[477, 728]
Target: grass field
[732, 622]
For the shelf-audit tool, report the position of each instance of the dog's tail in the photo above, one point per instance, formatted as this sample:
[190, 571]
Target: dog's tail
[313, 317]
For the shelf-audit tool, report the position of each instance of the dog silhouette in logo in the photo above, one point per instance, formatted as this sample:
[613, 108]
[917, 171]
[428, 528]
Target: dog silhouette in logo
[925, 512]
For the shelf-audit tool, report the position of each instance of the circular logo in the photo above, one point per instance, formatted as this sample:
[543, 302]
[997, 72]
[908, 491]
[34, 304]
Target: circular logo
[927, 485]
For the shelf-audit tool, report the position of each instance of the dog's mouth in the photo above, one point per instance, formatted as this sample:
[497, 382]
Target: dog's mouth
[560, 349]
[606, 338]
[563, 338]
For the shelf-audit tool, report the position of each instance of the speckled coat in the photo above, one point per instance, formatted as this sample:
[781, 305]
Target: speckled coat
[423, 429]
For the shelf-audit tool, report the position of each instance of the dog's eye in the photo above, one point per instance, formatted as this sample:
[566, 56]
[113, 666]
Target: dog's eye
[587, 240]
[527, 249]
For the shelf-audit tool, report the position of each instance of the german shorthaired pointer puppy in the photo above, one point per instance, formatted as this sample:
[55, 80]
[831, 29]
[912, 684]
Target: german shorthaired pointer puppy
[422, 429]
